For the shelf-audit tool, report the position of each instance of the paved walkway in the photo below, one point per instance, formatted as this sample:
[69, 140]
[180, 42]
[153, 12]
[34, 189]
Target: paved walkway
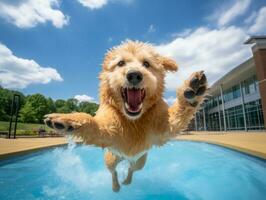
[10, 147]
[250, 143]
[253, 143]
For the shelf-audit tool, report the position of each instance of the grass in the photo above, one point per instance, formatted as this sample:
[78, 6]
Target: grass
[23, 128]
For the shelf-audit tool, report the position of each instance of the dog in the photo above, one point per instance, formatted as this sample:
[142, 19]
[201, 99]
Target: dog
[132, 116]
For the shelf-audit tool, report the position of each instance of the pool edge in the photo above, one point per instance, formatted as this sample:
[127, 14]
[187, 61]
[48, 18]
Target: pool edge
[8, 155]
[247, 151]
[27, 151]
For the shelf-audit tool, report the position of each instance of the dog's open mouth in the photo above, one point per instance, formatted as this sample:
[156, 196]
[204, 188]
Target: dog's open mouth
[133, 98]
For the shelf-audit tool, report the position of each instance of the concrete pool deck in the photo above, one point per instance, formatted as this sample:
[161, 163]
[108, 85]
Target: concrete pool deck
[253, 143]
[12, 147]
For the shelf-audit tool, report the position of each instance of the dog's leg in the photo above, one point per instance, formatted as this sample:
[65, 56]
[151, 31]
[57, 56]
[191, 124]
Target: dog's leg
[135, 166]
[189, 98]
[111, 162]
[81, 125]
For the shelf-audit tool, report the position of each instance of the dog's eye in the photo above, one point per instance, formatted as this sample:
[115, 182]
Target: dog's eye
[121, 63]
[146, 64]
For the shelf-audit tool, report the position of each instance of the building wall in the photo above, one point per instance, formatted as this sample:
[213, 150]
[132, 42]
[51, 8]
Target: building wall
[242, 109]
[259, 52]
[238, 99]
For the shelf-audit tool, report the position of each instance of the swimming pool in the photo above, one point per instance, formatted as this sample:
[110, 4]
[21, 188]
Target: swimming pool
[178, 170]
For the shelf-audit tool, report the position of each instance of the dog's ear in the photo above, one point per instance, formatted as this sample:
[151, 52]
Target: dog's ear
[168, 64]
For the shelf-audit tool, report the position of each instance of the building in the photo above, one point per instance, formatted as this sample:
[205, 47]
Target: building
[237, 101]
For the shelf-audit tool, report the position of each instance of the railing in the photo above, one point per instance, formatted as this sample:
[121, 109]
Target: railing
[14, 112]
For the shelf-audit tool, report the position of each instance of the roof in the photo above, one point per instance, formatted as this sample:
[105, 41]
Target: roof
[242, 71]
[235, 76]
[256, 39]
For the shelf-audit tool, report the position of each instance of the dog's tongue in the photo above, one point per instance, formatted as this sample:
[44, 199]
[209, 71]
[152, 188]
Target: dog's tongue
[134, 98]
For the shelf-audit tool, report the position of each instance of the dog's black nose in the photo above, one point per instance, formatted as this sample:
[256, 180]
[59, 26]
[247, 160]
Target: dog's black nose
[134, 77]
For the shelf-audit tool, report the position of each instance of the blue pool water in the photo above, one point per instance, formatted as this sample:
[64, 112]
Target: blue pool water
[178, 170]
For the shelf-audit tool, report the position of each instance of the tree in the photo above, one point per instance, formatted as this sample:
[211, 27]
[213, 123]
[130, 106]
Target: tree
[61, 106]
[72, 104]
[36, 106]
[5, 102]
[88, 107]
[59, 103]
[51, 105]
[67, 106]
[3, 107]
[28, 114]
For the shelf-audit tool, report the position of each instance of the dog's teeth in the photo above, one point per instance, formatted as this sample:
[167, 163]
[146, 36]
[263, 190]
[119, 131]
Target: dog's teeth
[127, 106]
[140, 106]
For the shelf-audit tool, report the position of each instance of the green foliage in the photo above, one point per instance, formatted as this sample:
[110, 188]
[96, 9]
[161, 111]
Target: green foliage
[4, 126]
[34, 107]
[62, 106]
[27, 113]
[51, 105]
[72, 104]
[88, 107]
[5, 102]
[26, 132]
[60, 103]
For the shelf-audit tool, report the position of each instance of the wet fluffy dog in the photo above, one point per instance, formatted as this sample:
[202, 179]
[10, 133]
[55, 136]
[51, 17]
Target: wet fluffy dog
[133, 116]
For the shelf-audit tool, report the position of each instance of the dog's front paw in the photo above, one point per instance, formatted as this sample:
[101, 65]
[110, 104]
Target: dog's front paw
[196, 88]
[61, 122]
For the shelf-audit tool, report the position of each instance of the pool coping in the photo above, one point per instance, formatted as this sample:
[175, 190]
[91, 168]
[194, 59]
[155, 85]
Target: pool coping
[27, 151]
[246, 151]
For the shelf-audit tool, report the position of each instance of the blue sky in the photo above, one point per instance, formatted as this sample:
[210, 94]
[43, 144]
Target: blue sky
[56, 47]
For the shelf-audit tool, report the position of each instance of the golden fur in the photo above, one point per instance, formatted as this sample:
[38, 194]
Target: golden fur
[125, 136]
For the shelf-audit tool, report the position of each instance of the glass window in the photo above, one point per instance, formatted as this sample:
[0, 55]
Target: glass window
[254, 115]
[249, 85]
[236, 92]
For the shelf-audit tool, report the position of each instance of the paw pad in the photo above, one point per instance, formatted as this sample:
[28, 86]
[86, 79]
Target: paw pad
[49, 123]
[201, 91]
[197, 85]
[59, 125]
[189, 94]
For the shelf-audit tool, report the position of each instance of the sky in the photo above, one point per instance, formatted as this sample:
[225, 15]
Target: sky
[56, 47]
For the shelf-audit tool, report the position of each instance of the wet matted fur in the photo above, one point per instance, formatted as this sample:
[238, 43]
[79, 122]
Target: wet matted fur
[132, 116]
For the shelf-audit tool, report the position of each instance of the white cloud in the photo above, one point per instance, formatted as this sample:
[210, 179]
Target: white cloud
[18, 72]
[85, 98]
[97, 4]
[216, 51]
[93, 4]
[259, 26]
[151, 29]
[227, 14]
[29, 13]
[184, 33]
